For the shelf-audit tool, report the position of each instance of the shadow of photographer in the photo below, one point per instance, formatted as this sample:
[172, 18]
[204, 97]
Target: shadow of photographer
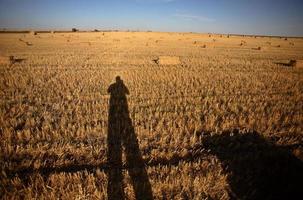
[121, 134]
[256, 167]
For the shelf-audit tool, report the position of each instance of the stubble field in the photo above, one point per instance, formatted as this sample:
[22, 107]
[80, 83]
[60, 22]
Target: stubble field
[215, 116]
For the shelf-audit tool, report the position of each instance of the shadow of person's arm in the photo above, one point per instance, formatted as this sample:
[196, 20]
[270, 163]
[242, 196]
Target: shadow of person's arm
[110, 88]
[126, 91]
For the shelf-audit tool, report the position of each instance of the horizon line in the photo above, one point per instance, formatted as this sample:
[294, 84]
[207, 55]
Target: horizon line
[79, 30]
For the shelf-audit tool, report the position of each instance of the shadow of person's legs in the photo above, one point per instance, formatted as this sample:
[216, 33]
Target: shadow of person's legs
[135, 163]
[114, 159]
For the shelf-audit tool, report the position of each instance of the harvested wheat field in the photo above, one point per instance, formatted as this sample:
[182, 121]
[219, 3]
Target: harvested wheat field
[147, 115]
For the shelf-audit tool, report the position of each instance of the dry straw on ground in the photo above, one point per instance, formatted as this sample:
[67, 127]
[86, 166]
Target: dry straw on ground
[206, 123]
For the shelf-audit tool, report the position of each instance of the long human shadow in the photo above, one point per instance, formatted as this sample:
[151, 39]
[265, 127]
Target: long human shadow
[256, 168]
[121, 133]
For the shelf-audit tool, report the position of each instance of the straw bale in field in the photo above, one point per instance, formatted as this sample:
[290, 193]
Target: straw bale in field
[167, 60]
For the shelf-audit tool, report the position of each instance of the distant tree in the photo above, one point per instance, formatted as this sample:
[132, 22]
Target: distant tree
[74, 30]
[96, 30]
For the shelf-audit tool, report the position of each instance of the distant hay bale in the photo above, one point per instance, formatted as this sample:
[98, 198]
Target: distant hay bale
[203, 46]
[6, 60]
[242, 43]
[291, 63]
[167, 60]
[33, 32]
[28, 44]
[9, 60]
[292, 44]
[297, 63]
[25, 42]
[198, 43]
[278, 46]
[257, 48]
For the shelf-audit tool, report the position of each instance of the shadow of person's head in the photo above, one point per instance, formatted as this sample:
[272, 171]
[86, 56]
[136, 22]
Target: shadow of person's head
[256, 167]
[118, 88]
[118, 79]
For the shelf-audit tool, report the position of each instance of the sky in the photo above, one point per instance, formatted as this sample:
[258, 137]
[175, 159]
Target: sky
[263, 17]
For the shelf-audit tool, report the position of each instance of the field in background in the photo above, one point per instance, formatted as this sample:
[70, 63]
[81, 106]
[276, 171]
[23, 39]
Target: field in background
[202, 106]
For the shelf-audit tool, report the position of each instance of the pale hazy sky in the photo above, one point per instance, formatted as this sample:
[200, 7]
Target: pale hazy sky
[270, 17]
